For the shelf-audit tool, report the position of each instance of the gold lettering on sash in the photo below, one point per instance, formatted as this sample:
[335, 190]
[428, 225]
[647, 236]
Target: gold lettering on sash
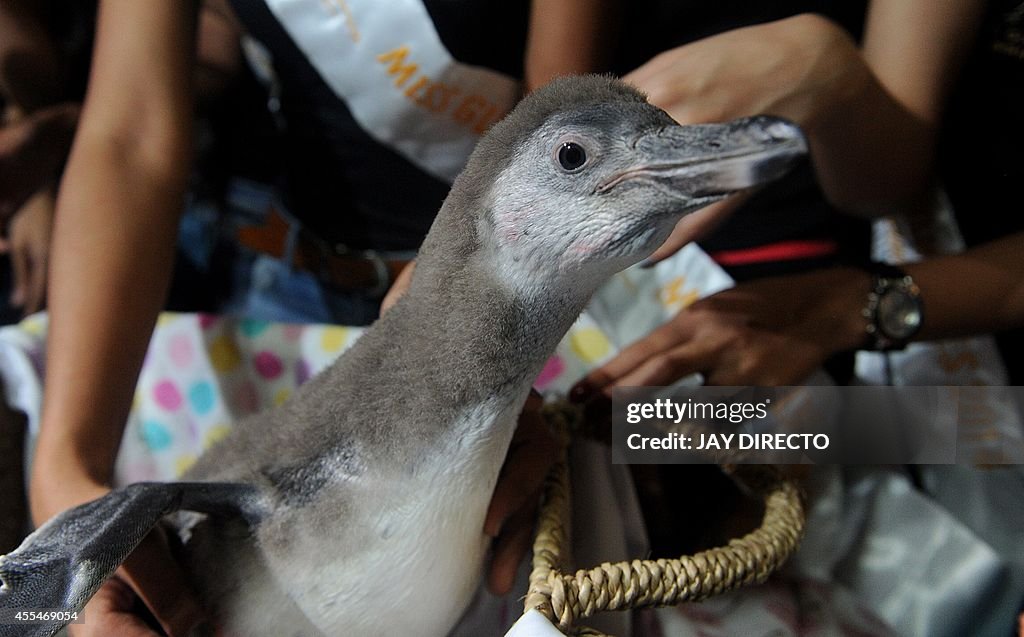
[335, 7]
[473, 111]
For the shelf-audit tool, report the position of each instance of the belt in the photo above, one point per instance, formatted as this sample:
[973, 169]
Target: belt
[339, 266]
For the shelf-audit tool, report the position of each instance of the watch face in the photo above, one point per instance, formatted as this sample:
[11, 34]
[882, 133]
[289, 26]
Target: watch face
[899, 314]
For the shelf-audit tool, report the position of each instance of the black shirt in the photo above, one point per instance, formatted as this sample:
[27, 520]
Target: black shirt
[340, 181]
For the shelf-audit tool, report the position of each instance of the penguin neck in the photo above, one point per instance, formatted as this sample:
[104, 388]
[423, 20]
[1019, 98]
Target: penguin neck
[498, 336]
[492, 309]
[486, 347]
[477, 339]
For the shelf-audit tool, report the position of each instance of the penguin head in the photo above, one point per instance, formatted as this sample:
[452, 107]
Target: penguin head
[584, 178]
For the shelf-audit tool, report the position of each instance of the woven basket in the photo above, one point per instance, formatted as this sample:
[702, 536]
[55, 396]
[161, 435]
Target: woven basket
[565, 598]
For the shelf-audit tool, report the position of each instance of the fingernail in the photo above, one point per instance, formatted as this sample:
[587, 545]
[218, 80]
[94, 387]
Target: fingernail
[493, 529]
[647, 264]
[581, 392]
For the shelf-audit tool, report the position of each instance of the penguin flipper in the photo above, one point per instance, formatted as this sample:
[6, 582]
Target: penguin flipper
[65, 561]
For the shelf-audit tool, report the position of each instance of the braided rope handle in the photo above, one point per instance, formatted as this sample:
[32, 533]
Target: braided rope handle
[566, 598]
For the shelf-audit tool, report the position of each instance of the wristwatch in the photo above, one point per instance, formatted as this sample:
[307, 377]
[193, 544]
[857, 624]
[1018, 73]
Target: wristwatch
[894, 309]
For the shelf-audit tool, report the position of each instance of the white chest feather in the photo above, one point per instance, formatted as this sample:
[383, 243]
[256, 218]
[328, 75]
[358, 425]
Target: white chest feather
[397, 552]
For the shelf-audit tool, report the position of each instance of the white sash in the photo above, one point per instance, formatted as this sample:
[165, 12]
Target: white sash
[387, 62]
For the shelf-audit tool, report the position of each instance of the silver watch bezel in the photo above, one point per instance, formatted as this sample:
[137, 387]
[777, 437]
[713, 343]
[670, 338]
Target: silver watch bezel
[880, 339]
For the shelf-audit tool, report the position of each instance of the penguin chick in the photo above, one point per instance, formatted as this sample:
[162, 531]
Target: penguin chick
[357, 507]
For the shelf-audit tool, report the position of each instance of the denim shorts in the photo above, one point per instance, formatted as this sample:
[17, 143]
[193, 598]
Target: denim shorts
[259, 286]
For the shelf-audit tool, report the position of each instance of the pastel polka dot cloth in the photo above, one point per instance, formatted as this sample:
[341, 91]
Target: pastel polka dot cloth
[204, 373]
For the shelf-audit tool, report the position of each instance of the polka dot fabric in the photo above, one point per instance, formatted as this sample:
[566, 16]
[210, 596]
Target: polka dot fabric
[203, 373]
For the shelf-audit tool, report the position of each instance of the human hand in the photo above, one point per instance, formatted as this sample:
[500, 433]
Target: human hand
[149, 576]
[114, 610]
[769, 332]
[513, 510]
[398, 288]
[871, 152]
[110, 612]
[153, 578]
[31, 151]
[792, 68]
[28, 244]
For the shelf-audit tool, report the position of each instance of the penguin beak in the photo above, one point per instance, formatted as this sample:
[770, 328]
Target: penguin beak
[710, 161]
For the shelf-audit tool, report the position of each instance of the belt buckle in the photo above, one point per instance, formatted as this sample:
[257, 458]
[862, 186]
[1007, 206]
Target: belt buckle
[380, 268]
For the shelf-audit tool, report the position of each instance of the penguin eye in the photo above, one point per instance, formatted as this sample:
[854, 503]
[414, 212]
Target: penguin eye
[571, 156]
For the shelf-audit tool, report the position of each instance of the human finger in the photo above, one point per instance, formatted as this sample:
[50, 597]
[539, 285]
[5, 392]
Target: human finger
[35, 287]
[666, 367]
[398, 288]
[109, 612]
[532, 453]
[35, 277]
[509, 549]
[653, 72]
[671, 334]
[20, 274]
[158, 580]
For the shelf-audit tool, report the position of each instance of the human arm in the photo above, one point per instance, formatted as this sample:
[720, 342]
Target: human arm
[870, 120]
[776, 331]
[567, 37]
[218, 51]
[113, 245]
[870, 113]
[114, 234]
[976, 292]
